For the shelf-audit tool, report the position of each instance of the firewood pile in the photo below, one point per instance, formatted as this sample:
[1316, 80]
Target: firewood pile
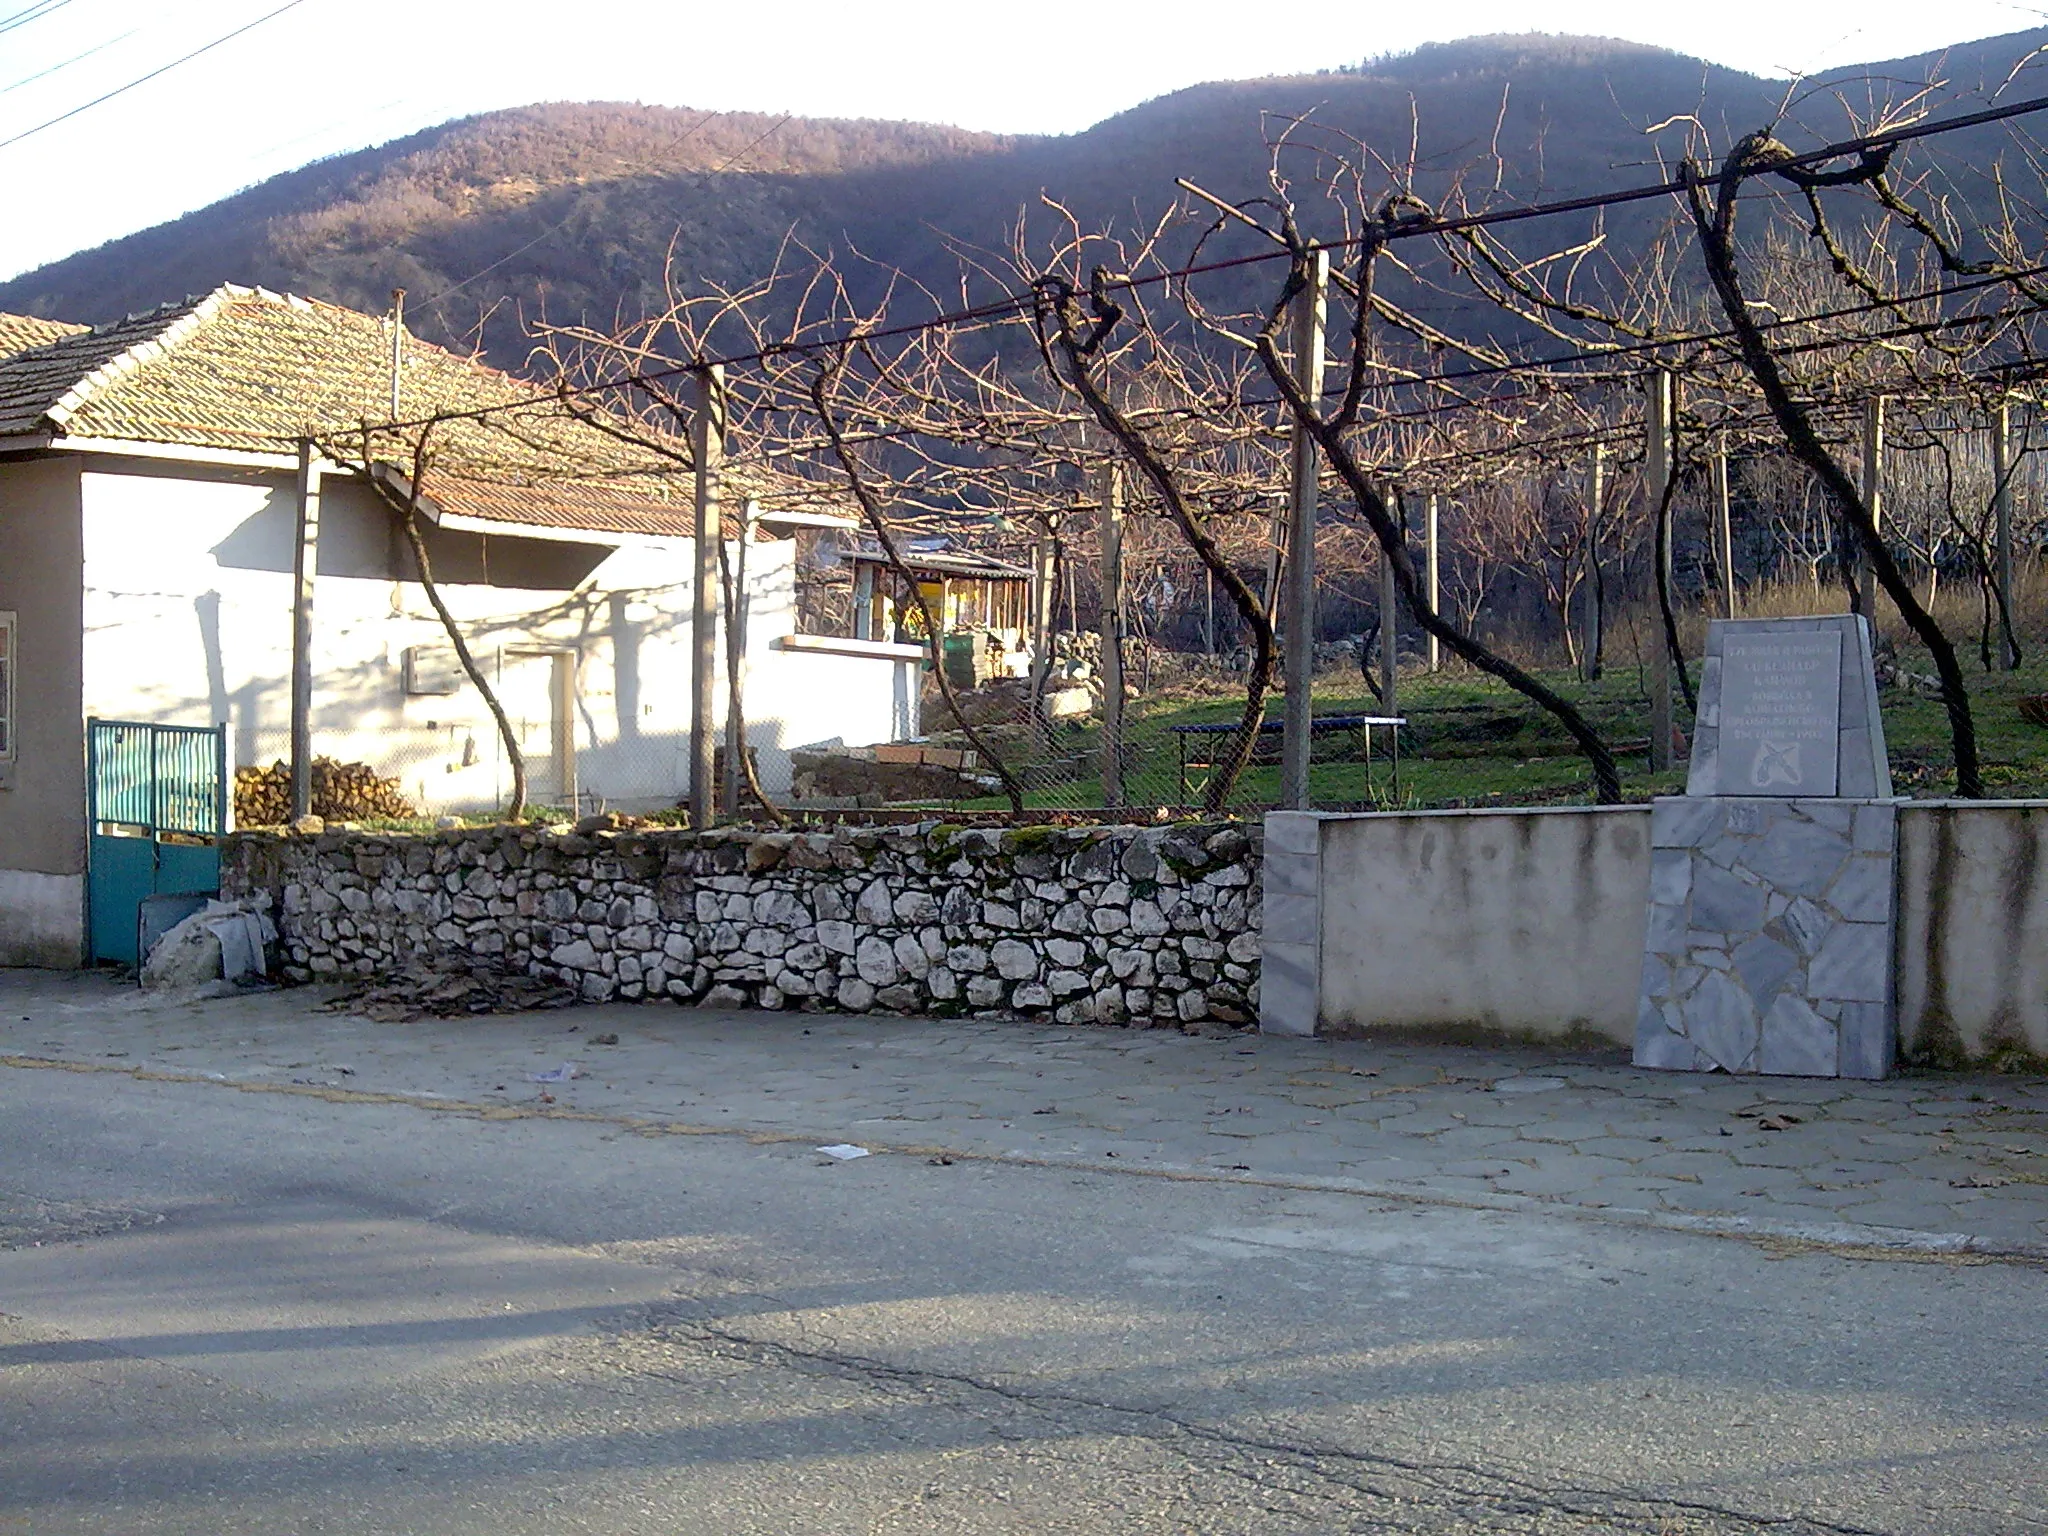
[341, 792]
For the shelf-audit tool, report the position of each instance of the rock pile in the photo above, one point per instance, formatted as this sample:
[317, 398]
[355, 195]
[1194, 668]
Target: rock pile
[1077, 925]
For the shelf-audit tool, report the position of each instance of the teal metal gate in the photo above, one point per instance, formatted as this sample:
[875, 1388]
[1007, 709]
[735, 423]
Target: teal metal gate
[157, 808]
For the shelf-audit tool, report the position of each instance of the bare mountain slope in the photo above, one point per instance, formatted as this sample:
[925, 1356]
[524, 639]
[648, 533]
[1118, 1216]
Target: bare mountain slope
[577, 206]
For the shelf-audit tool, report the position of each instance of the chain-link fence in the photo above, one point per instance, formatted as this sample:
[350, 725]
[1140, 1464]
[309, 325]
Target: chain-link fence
[1463, 738]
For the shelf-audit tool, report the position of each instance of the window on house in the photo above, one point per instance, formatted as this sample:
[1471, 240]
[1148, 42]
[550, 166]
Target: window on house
[6, 686]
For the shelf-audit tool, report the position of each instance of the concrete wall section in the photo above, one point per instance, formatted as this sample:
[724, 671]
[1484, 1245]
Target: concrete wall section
[1523, 922]
[1291, 954]
[1972, 980]
[42, 786]
[1528, 922]
[1532, 923]
[42, 919]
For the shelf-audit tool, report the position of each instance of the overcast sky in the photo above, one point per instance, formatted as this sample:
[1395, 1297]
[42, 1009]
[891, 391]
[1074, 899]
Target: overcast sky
[332, 75]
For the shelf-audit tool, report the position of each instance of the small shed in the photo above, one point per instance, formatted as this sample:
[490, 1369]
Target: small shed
[982, 604]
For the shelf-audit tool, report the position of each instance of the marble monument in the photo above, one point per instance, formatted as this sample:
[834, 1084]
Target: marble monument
[1772, 900]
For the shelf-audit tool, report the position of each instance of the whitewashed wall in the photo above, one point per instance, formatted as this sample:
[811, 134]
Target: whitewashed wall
[187, 619]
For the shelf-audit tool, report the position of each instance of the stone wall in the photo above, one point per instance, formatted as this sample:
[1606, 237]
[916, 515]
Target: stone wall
[1086, 925]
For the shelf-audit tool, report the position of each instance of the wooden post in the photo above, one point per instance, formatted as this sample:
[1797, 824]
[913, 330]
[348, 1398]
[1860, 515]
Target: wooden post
[1431, 587]
[2001, 507]
[1589, 576]
[1300, 599]
[1724, 534]
[1273, 591]
[708, 447]
[1873, 498]
[1656, 481]
[1111, 529]
[1390, 623]
[305, 565]
[1041, 614]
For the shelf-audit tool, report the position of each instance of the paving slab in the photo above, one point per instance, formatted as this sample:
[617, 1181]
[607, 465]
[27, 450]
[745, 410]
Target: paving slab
[1948, 1163]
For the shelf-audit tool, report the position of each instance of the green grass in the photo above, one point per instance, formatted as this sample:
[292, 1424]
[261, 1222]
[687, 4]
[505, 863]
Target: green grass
[1474, 741]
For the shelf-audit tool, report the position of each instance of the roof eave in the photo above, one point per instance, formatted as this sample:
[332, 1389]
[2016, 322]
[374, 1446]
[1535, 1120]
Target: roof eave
[189, 453]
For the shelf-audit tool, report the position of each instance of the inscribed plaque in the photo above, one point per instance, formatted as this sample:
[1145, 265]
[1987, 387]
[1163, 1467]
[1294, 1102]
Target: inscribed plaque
[1781, 712]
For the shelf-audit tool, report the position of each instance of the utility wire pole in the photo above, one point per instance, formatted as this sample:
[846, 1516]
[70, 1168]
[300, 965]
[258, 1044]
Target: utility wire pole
[1112, 627]
[1656, 484]
[708, 448]
[1299, 602]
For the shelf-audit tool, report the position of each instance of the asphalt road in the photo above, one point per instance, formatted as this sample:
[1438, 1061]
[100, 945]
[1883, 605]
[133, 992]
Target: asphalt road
[226, 1311]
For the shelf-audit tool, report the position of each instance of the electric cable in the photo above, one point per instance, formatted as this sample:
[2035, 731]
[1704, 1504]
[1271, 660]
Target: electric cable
[162, 69]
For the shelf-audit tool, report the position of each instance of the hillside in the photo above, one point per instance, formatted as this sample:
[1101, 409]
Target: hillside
[576, 206]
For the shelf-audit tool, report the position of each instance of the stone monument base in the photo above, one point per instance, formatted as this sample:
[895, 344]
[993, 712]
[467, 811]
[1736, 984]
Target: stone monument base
[1769, 946]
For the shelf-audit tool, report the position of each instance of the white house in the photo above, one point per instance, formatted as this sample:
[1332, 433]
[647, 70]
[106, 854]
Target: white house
[149, 506]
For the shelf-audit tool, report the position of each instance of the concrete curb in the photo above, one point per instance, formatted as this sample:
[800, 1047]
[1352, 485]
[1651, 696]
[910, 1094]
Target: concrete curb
[1849, 1238]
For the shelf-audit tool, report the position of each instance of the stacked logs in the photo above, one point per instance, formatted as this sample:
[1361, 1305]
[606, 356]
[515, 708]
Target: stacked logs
[341, 792]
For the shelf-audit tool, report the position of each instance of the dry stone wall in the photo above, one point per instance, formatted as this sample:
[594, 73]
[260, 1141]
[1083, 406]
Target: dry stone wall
[1104, 925]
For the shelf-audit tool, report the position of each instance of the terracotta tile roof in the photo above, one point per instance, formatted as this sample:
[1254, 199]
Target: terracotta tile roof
[21, 333]
[246, 369]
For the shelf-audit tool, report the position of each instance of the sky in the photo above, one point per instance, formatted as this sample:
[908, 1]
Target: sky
[321, 77]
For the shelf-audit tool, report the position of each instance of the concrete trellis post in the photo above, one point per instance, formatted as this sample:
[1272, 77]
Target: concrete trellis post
[1873, 498]
[708, 447]
[1390, 615]
[1724, 534]
[305, 565]
[1657, 474]
[1112, 628]
[1299, 600]
[1589, 578]
[1432, 588]
[2001, 507]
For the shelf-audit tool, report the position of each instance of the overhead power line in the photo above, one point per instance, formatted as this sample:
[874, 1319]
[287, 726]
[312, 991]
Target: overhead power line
[76, 58]
[162, 69]
[27, 14]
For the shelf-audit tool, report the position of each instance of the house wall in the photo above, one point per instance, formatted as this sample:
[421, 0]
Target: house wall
[192, 571]
[42, 790]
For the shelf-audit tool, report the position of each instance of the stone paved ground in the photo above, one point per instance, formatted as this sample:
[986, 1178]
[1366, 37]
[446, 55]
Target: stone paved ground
[1925, 1163]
